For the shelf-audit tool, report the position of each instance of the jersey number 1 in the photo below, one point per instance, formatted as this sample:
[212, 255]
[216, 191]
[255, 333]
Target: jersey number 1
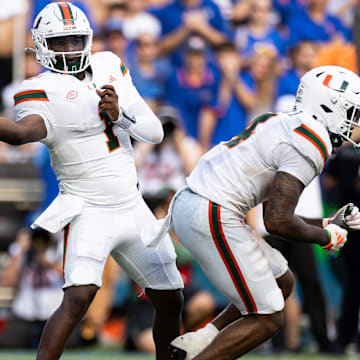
[113, 141]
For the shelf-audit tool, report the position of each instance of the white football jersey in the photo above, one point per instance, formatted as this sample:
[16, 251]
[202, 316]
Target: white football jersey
[91, 159]
[238, 174]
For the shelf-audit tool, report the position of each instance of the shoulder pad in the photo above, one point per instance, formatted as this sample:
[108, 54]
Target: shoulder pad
[104, 55]
[107, 56]
[310, 139]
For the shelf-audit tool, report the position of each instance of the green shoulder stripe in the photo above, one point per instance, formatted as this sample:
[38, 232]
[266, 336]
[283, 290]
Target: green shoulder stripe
[315, 139]
[32, 95]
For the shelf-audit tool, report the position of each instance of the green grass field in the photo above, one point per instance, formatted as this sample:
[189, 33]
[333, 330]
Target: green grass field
[118, 355]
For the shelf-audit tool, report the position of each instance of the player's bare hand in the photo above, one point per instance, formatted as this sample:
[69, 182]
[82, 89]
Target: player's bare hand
[108, 103]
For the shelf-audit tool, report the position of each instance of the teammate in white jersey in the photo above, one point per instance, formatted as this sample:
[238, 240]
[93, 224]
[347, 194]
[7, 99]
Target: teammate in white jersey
[84, 110]
[270, 162]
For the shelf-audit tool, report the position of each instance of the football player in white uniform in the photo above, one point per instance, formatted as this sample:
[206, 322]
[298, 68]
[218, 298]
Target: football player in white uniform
[84, 109]
[271, 161]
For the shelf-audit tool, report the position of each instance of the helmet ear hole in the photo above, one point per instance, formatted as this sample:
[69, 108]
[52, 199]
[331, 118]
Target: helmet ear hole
[326, 109]
[336, 140]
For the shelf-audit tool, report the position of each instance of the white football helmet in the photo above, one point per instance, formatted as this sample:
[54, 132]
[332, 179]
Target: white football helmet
[60, 19]
[331, 95]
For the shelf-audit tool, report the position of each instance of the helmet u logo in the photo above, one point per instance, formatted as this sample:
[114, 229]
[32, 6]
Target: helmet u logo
[343, 86]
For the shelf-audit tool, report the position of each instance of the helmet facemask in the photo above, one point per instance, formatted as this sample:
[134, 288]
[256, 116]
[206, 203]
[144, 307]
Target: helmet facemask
[351, 120]
[59, 60]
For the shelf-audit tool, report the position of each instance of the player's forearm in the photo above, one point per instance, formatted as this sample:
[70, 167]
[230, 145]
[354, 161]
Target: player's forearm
[28, 129]
[11, 132]
[314, 222]
[297, 229]
[279, 218]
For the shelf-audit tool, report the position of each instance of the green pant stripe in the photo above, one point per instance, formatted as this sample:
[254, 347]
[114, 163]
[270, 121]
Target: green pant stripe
[229, 259]
[66, 235]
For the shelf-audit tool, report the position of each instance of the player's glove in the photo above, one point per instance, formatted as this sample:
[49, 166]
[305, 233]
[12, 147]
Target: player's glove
[337, 237]
[125, 120]
[347, 217]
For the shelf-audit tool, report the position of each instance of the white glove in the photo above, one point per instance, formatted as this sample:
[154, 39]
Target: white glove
[337, 237]
[353, 219]
[347, 217]
[125, 120]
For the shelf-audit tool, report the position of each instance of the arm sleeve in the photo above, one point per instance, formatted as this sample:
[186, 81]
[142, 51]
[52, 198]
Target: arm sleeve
[147, 127]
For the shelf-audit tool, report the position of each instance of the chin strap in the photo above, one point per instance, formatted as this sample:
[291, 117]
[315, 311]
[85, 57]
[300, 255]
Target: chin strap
[30, 50]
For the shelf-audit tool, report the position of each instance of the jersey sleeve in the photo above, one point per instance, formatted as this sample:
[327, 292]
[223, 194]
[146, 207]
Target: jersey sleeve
[312, 141]
[125, 89]
[32, 99]
[129, 93]
[290, 161]
[148, 127]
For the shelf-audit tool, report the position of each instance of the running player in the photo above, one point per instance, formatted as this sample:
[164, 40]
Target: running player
[271, 161]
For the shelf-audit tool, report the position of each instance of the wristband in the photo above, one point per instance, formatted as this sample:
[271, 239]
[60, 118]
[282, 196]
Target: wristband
[124, 120]
[325, 222]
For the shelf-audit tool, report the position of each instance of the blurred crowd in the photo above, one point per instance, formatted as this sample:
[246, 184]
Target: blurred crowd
[206, 68]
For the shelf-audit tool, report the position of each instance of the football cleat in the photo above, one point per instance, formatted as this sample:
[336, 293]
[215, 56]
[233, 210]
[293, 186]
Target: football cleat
[177, 354]
[187, 346]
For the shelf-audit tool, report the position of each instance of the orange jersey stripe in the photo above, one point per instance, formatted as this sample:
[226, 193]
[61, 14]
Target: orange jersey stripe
[28, 92]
